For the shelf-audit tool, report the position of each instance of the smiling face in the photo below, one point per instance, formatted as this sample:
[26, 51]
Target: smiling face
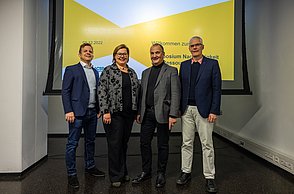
[156, 54]
[86, 54]
[196, 47]
[122, 57]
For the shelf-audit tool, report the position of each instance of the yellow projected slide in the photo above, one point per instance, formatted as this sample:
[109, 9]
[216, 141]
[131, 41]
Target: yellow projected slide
[138, 24]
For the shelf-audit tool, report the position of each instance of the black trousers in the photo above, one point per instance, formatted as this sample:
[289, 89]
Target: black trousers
[118, 133]
[147, 131]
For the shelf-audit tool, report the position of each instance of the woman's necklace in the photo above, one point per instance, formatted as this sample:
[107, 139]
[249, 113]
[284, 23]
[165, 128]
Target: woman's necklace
[124, 69]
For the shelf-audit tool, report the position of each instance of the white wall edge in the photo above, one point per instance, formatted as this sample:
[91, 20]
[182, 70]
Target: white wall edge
[273, 156]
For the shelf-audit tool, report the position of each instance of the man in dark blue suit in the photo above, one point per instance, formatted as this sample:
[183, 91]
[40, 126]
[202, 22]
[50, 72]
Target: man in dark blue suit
[200, 104]
[80, 103]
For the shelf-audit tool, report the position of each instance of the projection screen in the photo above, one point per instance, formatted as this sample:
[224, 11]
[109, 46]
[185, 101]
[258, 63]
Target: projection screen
[139, 24]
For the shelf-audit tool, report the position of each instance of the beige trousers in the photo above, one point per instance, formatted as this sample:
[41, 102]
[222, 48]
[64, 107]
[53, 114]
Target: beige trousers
[191, 120]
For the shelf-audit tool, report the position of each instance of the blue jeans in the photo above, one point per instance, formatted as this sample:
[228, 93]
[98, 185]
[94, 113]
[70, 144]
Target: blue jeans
[89, 124]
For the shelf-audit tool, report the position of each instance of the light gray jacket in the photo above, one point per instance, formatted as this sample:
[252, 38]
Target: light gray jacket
[167, 94]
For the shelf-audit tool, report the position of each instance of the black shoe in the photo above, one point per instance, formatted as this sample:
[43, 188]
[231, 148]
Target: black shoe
[160, 180]
[211, 186]
[142, 177]
[184, 178]
[73, 181]
[95, 172]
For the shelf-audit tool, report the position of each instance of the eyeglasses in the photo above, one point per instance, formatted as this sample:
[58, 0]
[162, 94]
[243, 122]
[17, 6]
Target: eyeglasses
[197, 45]
[122, 54]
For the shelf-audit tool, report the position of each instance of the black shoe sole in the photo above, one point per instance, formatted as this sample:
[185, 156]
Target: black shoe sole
[138, 182]
[211, 191]
[74, 186]
[159, 185]
[96, 175]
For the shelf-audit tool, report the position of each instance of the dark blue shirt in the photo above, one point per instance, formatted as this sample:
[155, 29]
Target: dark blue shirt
[154, 72]
[194, 73]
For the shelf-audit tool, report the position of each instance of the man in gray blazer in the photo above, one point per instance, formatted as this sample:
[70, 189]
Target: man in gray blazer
[158, 108]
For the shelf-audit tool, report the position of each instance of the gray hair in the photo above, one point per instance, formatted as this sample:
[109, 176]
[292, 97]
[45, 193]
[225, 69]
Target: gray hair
[196, 37]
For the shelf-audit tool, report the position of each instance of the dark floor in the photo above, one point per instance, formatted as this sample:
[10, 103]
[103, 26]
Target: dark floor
[237, 171]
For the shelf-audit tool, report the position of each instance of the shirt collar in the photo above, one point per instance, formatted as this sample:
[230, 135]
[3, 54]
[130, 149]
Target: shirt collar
[158, 66]
[85, 65]
[199, 61]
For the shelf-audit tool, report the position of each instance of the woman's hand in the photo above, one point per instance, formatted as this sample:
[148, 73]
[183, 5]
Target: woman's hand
[107, 118]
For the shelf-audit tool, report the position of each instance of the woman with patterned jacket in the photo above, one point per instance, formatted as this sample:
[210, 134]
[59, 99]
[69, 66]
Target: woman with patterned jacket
[118, 92]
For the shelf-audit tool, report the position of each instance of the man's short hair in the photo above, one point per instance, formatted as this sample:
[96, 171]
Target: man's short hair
[157, 44]
[196, 37]
[83, 45]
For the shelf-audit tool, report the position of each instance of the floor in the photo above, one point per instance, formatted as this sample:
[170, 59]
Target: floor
[237, 171]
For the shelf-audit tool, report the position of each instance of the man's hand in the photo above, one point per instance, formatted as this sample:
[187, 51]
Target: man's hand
[138, 119]
[70, 117]
[211, 118]
[171, 122]
[107, 118]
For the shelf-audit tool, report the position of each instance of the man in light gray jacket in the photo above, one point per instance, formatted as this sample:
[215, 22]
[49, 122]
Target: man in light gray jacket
[158, 108]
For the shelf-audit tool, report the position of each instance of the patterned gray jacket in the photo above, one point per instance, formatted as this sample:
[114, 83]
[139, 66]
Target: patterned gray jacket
[110, 89]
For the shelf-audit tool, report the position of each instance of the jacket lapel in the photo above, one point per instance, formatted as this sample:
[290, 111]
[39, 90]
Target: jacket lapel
[81, 70]
[201, 69]
[162, 70]
[145, 81]
[189, 72]
[96, 76]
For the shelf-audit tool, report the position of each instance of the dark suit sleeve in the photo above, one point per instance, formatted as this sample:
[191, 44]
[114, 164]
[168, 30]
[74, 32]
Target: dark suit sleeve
[216, 89]
[67, 85]
[175, 94]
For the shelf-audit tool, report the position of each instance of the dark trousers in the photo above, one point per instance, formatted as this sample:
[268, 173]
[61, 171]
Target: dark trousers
[89, 124]
[147, 131]
[118, 133]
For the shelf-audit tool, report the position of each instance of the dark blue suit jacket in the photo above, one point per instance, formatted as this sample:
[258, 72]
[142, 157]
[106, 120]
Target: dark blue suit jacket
[75, 90]
[207, 88]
